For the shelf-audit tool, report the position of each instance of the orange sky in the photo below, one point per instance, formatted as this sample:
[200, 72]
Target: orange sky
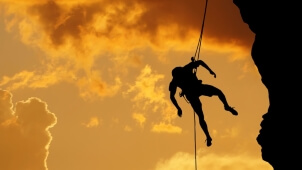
[84, 86]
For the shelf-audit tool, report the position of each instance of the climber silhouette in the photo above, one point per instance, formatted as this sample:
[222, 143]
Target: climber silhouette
[185, 78]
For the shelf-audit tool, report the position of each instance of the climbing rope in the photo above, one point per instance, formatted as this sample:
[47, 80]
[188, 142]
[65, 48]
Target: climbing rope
[195, 71]
[201, 33]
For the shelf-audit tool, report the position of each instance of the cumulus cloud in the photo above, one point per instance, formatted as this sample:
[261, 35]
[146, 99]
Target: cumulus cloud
[185, 161]
[6, 107]
[24, 132]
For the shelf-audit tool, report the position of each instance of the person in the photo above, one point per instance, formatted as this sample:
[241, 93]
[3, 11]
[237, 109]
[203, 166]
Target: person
[192, 88]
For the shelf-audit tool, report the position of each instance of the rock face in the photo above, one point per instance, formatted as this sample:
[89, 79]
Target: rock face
[275, 53]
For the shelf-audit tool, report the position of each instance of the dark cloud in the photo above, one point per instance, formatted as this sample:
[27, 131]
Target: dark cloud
[223, 20]
[60, 22]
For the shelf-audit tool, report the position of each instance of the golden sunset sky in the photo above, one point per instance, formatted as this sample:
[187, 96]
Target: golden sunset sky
[84, 86]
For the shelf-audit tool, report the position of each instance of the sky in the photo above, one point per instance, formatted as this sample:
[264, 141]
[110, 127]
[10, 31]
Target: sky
[84, 86]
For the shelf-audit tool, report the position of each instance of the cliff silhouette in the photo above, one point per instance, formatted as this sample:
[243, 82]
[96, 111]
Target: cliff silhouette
[275, 53]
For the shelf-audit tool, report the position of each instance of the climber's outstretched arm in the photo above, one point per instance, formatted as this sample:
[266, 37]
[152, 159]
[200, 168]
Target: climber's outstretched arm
[195, 64]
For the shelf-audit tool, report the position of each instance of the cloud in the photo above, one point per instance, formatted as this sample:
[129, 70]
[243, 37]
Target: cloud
[223, 20]
[127, 128]
[68, 35]
[231, 132]
[93, 85]
[140, 118]
[145, 85]
[54, 24]
[80, 38]
[184, 161]
[165, 128]
[93, 122]
[34, 79]
[64, 18]
[148, 94]
[236, 52]
[24, 133]
[6, 107]
[78, 26]
[89, 86]
[146, 89]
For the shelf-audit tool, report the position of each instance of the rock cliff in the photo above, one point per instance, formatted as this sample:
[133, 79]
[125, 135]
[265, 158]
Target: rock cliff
[276, 54]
